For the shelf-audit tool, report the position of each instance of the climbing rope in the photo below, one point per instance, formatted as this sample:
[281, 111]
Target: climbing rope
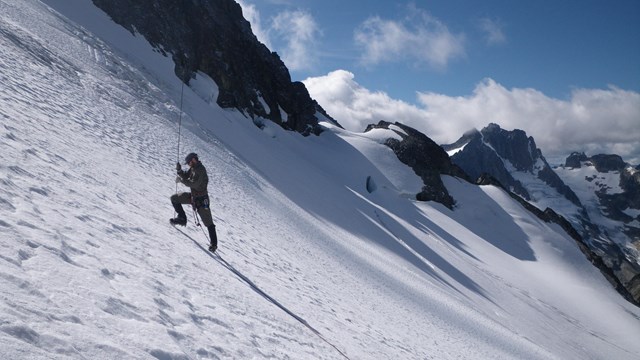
[179, 128]
[179, 134]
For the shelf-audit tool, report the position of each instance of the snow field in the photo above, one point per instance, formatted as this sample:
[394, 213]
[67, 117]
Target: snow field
[311, 263]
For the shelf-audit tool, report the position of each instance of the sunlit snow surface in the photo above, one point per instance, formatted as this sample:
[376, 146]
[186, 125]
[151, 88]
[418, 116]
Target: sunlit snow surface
[312, 266]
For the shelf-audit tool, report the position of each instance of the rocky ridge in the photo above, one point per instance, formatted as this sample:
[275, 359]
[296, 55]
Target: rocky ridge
[213, 37]
[425, 157]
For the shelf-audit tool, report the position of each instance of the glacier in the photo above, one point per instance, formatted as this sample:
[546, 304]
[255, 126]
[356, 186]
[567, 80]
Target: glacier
[311, 265]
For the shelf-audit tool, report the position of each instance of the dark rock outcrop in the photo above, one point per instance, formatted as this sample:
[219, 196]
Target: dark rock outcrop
[212, 36]
[476, 159]
[427, 159]
[513, 145]
[486, 151]
[605, 163]
[575, 160]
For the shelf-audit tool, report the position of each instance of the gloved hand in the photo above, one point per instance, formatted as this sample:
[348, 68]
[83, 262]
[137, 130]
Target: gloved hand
[178, 179]
[178, 167]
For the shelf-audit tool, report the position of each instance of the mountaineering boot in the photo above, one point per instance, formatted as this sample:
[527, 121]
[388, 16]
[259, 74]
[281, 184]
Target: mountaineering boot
[181, 219]
[214, 238]
[178, 221]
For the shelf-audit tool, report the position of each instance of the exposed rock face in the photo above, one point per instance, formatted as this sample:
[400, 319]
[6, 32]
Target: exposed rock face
[602, 162]
[514, 146]
[605, 163]
[615, 203]
[426, 158]
[629, 198]
[487, 150]
[575, 159]
[213, 37]
[477, 159]
[630, 184]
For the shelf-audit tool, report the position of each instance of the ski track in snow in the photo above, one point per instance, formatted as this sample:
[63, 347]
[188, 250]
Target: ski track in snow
[311, 266]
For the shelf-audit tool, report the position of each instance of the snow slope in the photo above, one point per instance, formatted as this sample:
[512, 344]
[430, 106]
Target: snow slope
[311, 265]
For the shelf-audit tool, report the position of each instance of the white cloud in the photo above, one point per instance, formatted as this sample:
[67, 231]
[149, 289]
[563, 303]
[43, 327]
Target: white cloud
[300, 31]
[354, 106]
[420, 38]
[591, 120]
[492, 29]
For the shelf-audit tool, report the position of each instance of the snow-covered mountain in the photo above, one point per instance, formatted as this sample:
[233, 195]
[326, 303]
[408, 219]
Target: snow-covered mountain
[322, 255]
[609, 188]
[514, 160]
[587, 192]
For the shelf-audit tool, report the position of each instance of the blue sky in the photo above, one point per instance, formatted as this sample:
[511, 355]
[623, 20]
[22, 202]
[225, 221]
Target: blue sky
[446, 66]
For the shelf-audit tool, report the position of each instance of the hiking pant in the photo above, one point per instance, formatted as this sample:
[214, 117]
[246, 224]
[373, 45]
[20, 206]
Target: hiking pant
[201, 203]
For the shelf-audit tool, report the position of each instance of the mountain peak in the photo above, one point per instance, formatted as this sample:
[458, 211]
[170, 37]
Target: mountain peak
[513, 159]
[504, 154]
[513, 145]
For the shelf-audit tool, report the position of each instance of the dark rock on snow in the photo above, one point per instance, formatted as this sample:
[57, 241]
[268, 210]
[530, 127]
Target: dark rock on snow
[212, 36]
[477, 159]
[426, 158]
[486, 150]
[575, 160]
[605, 163]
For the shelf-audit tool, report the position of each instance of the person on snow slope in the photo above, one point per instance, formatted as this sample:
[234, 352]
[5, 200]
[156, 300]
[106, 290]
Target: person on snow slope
[197, 180]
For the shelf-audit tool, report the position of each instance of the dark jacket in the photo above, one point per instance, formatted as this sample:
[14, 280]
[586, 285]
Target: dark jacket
[196, 178]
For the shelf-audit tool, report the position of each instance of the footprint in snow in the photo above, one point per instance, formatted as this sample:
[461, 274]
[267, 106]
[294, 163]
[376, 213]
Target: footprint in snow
[122, 309]
[6, 205]
[108, 274]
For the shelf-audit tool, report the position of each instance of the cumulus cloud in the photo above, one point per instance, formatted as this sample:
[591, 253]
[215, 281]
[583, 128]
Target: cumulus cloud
[354, 106]
[420, 38]
[492, 29]
[300, 31]
[591, 120]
